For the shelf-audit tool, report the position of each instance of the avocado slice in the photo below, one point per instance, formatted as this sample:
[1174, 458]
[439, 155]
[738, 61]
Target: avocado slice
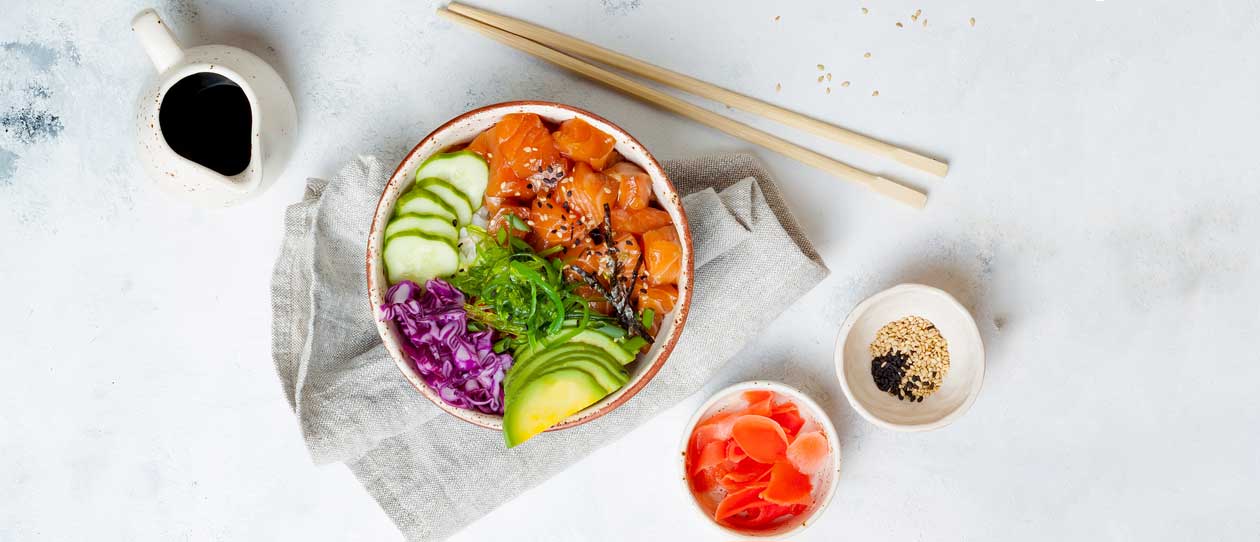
[607, 372]
[524, 367]
[547, 399]
[585, 336]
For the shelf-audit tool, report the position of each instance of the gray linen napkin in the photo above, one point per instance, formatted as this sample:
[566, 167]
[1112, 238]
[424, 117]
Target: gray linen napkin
[430, 471]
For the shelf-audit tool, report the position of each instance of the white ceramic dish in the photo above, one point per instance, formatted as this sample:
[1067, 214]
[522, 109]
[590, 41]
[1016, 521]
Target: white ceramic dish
[463, 129]
[822, 494]
[966, 358]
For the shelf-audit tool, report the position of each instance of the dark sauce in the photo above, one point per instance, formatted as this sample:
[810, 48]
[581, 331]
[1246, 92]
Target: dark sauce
[206, 118]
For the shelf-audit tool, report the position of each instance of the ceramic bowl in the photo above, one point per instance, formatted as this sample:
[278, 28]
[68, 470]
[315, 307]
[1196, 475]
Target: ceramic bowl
[829, 479]
[463, 129]
[966, 358]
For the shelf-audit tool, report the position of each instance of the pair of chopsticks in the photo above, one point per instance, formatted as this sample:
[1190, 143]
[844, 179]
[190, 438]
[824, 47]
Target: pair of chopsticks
[556, 48]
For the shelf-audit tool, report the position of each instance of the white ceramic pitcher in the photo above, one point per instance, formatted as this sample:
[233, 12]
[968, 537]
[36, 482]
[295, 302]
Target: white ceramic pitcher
[272, 124]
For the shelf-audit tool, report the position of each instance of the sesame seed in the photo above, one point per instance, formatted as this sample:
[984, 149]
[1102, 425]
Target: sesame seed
[973, 22]
[844, 84]
[778, 87]
[899, 25]
[867, 55]
[821, 67]
[865, 11]
[876, 93]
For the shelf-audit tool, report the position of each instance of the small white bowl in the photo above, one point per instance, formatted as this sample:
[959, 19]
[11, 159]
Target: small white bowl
[966, 358]
[811, 410]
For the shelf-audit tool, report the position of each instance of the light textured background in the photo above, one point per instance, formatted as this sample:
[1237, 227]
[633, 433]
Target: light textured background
[1100, 220]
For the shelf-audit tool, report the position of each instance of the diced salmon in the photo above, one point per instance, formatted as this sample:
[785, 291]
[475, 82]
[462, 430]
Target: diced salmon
[582, 142]
[551, 224]
[662, 255]
[499, 220]
[493, 204]
[639, 221]
[482, 144]
[634, 186]
[660, 299]
[595, 301]
[588, 191]
[593, 257]
[525, 145]
[504, 183]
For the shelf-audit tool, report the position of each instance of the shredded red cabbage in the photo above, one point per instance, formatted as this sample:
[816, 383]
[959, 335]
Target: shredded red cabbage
[461, 366]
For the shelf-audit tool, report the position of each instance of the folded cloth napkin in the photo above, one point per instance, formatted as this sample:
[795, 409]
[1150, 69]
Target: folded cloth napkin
[434, 474]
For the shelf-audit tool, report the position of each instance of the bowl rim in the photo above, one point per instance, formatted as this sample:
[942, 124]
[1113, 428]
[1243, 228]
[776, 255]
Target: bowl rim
[847, 328]
[684, 290]
[820, 416]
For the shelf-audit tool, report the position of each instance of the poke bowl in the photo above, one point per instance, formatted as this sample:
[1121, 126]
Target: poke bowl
[529, 267]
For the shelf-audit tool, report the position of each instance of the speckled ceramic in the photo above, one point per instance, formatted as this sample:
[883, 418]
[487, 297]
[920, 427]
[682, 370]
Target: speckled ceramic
[274, 117]
[827, 481]
[961, 384]
[463, 129]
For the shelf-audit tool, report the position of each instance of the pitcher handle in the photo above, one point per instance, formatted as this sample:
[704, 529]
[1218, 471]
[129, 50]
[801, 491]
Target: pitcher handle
[156, 39]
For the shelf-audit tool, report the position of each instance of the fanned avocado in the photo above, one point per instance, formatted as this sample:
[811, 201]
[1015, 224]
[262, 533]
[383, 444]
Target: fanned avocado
[569, 360]
[604, 369]
[586, 336]
[525, 364]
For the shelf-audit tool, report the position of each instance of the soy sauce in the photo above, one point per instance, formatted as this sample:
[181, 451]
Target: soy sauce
[206, 118]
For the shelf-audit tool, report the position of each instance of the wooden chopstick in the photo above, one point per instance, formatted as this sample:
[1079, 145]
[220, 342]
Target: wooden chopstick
[590, 51]
[898, 192]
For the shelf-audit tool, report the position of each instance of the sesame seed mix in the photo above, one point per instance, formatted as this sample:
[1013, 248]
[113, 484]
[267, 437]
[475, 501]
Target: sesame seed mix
[910, 358]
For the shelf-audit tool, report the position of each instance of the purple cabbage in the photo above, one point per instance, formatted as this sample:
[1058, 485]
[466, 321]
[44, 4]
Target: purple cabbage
[459, 365]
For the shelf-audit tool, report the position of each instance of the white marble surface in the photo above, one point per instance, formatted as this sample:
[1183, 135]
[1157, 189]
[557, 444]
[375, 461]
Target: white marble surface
[1100, 220]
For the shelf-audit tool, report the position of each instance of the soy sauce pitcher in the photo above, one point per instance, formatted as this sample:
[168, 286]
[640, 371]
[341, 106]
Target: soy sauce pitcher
[217, 124]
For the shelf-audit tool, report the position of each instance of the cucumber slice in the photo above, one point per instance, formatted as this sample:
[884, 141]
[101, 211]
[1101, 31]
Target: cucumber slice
[432, 224]
[423, 202]
[418, 257]
[451, 195]
[465, 170]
